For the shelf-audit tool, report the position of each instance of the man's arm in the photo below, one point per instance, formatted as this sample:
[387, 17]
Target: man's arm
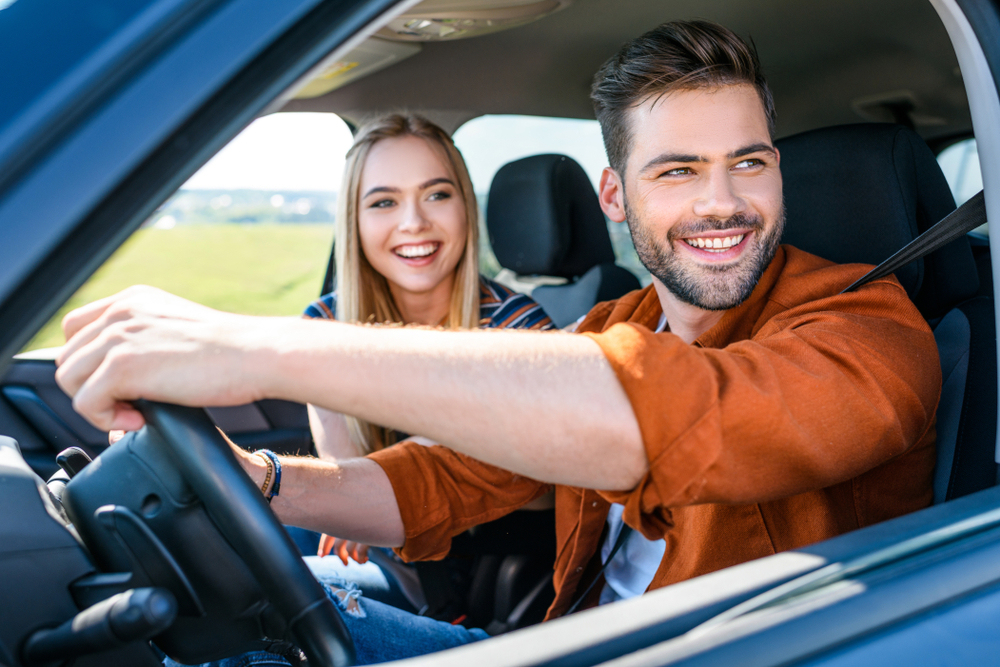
[352, 499]
[544, 405]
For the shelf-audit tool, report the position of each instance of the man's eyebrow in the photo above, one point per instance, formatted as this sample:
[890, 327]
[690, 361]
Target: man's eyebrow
[752, 148]
[666, 158]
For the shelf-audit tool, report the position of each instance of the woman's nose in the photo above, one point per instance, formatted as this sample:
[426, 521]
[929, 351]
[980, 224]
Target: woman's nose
[413, 219]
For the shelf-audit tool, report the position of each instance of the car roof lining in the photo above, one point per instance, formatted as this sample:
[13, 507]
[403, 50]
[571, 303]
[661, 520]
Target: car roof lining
[820, 58]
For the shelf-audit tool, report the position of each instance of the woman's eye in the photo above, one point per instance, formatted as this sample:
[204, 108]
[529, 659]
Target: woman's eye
[437, 196]
[382, 203]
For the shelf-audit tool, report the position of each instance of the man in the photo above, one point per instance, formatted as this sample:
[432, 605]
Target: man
[738, 407]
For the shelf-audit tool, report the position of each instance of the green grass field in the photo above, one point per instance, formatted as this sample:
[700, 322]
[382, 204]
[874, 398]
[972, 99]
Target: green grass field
[261, 269]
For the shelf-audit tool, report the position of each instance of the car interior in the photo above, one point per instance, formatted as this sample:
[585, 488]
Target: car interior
[868, 95]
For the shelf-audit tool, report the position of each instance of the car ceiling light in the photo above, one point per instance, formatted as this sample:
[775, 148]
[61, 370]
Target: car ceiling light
[438, 20]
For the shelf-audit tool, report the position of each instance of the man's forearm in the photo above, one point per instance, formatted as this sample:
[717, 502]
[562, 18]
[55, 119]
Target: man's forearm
[353, 499]
[544, 405]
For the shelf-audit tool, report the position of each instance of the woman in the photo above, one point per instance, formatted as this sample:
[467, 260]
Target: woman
[407, 242]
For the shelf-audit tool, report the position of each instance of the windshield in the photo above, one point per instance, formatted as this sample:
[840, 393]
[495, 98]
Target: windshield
[41, 41]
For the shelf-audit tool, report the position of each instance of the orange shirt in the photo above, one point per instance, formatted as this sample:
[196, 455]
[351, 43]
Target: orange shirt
[801, 415]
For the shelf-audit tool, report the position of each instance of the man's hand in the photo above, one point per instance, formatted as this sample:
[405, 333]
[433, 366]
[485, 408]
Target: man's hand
[146, 343]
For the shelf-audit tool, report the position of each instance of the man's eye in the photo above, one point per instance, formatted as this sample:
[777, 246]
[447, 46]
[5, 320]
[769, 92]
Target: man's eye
[749, 162]
[679, 171]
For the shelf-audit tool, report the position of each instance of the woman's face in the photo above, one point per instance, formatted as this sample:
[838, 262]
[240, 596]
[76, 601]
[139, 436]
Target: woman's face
[411, 217]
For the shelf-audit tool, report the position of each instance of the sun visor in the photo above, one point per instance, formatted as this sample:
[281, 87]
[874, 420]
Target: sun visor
[369, 57]
[441, 20]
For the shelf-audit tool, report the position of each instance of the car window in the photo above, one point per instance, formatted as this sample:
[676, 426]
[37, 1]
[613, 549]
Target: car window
[489, 142]
[250, 233]
[55, 36]
[960, 164]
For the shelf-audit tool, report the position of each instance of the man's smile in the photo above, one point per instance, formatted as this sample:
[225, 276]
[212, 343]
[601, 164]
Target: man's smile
[718, 246]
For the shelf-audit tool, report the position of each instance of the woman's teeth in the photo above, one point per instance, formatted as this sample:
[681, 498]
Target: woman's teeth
[717, 244]
[415, 251]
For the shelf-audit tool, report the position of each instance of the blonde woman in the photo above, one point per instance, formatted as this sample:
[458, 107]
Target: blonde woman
[407, 242]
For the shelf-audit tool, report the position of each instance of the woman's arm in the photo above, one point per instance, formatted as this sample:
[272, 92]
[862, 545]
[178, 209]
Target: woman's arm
[329, 432]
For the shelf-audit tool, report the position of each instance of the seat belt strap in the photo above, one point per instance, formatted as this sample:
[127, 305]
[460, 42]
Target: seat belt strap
[622, 536]
[956, 224]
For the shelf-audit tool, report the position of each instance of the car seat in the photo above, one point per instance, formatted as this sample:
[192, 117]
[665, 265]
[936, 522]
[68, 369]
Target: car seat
[544, 219]
[859, 193]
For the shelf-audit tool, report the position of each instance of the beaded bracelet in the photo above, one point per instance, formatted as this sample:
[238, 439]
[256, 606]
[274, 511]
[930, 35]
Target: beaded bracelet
[273, 460]
[267, 476]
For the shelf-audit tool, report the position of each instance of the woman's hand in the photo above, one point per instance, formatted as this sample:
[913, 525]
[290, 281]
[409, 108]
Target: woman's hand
[343, 548]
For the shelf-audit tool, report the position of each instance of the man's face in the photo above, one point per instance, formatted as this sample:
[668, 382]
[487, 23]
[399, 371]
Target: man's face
[701, 193]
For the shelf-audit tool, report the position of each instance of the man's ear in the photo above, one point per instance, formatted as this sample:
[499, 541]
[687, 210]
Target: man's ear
[612, 195]
[777, 156]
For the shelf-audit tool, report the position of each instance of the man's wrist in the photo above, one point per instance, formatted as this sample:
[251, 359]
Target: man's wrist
[255, 467]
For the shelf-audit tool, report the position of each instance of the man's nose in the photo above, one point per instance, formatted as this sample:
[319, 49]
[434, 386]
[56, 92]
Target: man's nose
[719, 199]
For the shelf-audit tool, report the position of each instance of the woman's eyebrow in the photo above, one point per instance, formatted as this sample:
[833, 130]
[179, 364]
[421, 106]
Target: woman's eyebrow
[379, 188]
[436, 181]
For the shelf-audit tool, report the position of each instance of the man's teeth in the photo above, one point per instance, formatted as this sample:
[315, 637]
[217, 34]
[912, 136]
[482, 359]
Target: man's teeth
[412, 251]
[717, 244]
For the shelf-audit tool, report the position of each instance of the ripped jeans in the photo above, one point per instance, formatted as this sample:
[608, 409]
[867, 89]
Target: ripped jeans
[380, 632]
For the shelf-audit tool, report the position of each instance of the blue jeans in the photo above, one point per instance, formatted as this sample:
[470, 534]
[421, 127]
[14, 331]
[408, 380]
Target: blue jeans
[380, 632]
[378, 579]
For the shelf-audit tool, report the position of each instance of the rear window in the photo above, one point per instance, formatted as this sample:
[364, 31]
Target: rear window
[960, 164]
[489, 142]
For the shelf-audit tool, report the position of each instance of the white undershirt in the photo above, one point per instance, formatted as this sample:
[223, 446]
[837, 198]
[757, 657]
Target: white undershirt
[632, 570]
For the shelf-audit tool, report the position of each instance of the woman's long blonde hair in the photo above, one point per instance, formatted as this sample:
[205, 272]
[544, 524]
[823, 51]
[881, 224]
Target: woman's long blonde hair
[363, 294]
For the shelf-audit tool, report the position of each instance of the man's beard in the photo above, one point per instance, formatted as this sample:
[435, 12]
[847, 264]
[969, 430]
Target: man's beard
[707, 286]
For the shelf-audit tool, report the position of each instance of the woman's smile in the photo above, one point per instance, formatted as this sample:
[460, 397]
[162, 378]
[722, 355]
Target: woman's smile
[418, 254]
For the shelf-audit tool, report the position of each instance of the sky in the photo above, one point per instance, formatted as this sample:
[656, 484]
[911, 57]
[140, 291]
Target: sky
[305, 151]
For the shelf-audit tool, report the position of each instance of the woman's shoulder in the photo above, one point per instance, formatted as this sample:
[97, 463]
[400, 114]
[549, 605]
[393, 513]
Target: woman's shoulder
[502, 308]
[323, 308]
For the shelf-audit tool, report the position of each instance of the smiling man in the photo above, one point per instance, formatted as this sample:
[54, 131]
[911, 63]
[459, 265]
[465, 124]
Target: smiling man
[738, 407]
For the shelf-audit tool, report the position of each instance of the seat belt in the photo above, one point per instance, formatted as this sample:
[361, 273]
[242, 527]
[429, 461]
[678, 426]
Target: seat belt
[622, 536]
[956, 224]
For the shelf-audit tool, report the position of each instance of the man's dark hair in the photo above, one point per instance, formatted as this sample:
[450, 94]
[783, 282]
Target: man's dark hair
[680, 55]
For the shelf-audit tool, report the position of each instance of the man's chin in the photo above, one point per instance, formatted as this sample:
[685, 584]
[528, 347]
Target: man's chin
[712, 286]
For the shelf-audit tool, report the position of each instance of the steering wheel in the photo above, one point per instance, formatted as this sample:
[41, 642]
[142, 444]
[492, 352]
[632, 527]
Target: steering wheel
[239, 510]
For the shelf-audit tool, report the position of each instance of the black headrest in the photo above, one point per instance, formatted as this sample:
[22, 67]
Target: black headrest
[543, 218]
[859, 193]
